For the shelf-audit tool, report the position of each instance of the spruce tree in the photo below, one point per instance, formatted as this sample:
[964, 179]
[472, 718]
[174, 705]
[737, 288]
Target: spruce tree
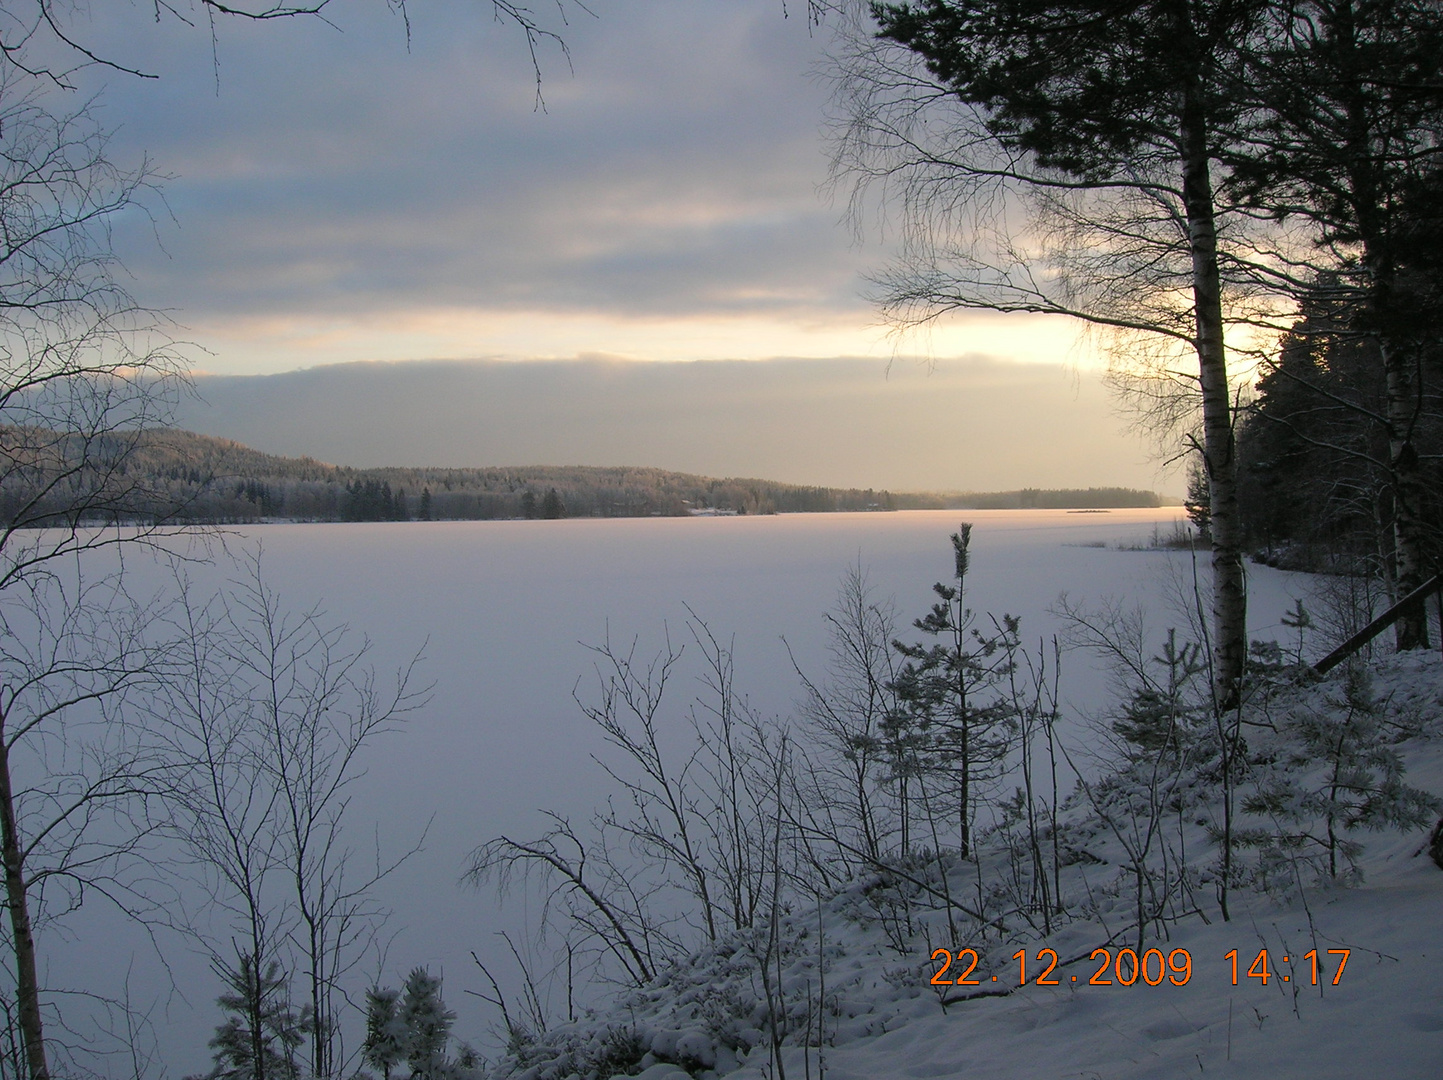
[1198, 503]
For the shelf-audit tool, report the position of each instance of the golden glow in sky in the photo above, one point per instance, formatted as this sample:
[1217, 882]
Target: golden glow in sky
[266, 345]
[370, 197]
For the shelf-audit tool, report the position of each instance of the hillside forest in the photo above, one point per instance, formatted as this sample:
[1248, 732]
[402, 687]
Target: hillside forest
[175, 477]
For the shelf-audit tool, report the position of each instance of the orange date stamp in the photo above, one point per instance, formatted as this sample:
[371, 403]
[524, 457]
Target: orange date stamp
[1126, 968]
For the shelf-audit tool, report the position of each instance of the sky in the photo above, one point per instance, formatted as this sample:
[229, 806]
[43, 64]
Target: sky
[335, 193]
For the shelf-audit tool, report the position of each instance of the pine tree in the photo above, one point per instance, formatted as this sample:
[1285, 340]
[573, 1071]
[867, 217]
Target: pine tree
[1336, 770]
[259, 1040]
[414, 1026]
[945, 721]
[385, 1044]
[1113, 96]
[428, 1027]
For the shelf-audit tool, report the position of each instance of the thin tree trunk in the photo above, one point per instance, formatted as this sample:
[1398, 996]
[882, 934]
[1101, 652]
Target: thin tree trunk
[1411, 629]
[1230, 600]
[321, 1027]
[1052, 765]
[1229, 746]
[1402, 388]
[962, 721]
[27, 983]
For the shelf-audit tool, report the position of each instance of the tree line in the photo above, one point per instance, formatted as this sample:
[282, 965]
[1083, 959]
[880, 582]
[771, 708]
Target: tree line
[178, 476]
[1314, 477]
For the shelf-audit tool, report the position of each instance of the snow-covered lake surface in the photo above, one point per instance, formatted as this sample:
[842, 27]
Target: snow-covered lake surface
[505, 610]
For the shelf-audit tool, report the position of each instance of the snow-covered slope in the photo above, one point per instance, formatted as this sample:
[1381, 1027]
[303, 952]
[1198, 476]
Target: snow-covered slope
[860, 1004]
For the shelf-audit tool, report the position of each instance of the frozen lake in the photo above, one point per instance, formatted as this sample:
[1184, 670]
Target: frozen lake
[505, 610]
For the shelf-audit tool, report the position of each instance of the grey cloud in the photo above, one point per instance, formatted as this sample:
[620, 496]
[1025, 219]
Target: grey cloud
[971, 424]
[675, 172]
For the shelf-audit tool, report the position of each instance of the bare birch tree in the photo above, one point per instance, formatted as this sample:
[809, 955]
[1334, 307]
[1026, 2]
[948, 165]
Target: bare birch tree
[271, 716]
[84, 374]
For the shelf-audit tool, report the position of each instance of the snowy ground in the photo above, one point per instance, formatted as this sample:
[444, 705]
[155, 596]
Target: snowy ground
[504, 610]
[1383, 1018]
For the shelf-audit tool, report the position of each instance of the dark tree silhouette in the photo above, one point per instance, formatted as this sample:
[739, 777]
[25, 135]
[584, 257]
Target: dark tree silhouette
[1350, 105]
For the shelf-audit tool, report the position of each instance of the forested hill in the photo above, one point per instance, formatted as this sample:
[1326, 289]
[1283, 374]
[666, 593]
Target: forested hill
[220, 480]
[217, 480]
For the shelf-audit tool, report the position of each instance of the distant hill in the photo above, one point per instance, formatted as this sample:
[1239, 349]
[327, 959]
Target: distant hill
[217, 480]
[965, 422]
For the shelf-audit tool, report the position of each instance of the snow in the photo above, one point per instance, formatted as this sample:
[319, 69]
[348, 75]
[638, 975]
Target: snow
[1383, 1018]
[505, 609]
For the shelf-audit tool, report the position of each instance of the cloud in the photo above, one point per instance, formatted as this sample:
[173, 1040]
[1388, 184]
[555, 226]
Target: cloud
[675, 174]
[970, 424]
